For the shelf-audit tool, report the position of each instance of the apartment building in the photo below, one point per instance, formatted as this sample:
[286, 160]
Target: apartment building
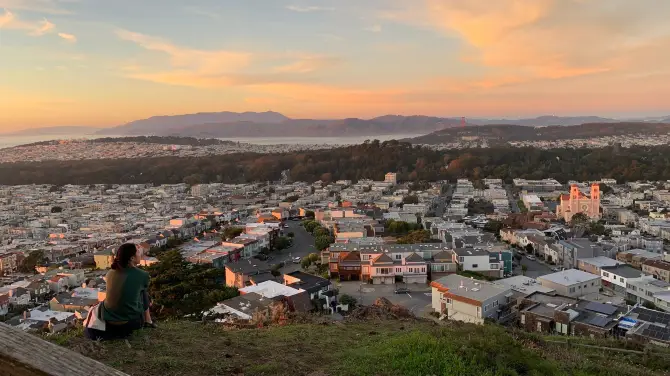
[464, 299]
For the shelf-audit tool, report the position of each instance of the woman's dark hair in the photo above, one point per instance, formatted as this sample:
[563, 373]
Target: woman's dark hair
[123, 256]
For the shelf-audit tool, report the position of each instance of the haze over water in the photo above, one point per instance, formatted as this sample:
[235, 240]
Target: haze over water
[10, 141]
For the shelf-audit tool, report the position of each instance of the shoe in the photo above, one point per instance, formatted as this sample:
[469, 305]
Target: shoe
[150, 325]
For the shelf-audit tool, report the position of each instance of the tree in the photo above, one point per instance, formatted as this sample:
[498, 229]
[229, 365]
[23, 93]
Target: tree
[313, 257]
[282, 242]
[596, 228]
[605, 189]
[57, 209]
[320, 231]
[494, 227]
[309, 213]
[411, 199]
[33, 259]
[524, 269]
[323, 242]
[305, 263]
[415, 237]
[232, 232]
[349, 300]
[579, 219]
[310, 226]
[180, 288]
[649, 305]
[529, 248]
[193, 179]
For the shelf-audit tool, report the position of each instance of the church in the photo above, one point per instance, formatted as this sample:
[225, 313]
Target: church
[577, 202]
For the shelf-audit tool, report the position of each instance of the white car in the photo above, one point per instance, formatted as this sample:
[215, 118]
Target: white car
[531, 257]
[297, 260]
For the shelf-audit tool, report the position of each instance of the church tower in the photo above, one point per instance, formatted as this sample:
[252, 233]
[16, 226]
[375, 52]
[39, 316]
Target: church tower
[594, 213]
[574, 199]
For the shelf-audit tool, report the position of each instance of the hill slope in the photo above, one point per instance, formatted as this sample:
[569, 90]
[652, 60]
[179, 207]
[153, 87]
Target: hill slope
[403, 348]
[502, 133]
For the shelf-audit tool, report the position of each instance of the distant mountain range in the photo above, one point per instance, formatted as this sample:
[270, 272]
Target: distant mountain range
[273, 124]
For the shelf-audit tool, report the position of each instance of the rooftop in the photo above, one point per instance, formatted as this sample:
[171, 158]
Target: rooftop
[523, 284]
[568, 277]
[271, 289]
[600, 261]
[471, 288]
[625, 271]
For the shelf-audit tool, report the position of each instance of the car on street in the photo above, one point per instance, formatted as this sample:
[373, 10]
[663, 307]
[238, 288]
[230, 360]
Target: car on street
[297, 260]
[402, 290]
[555, 269]
[531, 257]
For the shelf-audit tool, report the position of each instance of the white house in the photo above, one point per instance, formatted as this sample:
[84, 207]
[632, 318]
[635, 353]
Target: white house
[616, 277]
[478, 260]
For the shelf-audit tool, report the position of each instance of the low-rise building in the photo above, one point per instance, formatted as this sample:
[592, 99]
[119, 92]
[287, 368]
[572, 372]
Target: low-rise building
[464, 299]
[658, 269]
[616, 277]
[572, 283]
[650, 290]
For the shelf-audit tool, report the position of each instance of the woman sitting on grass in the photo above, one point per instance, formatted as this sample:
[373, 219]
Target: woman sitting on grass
[126, 307]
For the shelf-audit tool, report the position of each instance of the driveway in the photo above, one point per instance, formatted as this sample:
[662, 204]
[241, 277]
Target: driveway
[417, 300]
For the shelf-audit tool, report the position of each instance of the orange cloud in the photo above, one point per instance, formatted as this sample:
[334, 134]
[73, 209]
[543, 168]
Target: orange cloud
[9, 20]
[68, 37]
[221, 68]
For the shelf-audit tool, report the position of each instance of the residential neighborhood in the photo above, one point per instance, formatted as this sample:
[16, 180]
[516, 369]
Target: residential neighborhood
[580, 258]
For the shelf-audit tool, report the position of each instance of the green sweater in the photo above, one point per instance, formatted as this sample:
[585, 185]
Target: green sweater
[124, 299]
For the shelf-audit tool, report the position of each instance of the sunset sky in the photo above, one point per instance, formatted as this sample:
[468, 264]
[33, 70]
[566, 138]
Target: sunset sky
[107, 62]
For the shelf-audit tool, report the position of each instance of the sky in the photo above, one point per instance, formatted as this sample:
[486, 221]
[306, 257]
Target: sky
[104, 63]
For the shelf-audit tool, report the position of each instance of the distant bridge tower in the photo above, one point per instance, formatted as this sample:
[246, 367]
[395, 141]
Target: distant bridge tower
[463, 122]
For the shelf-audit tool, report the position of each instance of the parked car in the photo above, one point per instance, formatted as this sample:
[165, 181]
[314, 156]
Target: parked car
[297, 260]
[402, 290]
[555, 269]
[531, 257]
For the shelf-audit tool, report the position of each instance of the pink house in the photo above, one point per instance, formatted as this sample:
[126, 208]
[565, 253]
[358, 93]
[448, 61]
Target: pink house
[382, 269]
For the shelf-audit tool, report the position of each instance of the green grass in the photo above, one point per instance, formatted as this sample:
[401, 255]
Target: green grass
[356, 349]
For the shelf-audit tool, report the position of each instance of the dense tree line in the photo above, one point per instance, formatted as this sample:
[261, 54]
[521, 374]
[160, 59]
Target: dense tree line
[370, 160]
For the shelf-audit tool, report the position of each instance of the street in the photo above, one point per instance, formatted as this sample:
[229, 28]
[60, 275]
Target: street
[535, 268]
[303, 245]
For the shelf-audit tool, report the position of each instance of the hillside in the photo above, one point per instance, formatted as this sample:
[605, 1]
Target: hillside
[361, 348]
[501, 133]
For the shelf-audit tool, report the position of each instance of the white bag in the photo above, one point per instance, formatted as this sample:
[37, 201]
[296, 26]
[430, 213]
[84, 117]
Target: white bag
[94, 318]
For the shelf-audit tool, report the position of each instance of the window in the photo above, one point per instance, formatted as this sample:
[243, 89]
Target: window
[572, 289]
[475, 265]
[494, 266]
[495, 304]
[461, 259]
[423, 270]
[448, 300]
[650, 294]
[585, 286]
[606, 274]
[486, 307]
[479, 311]
[397, 257]
[593, 283]
[621, 279]
[398, 270]
[523, 318]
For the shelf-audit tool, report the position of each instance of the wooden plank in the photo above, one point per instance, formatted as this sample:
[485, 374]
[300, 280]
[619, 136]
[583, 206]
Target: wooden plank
[23, 354]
